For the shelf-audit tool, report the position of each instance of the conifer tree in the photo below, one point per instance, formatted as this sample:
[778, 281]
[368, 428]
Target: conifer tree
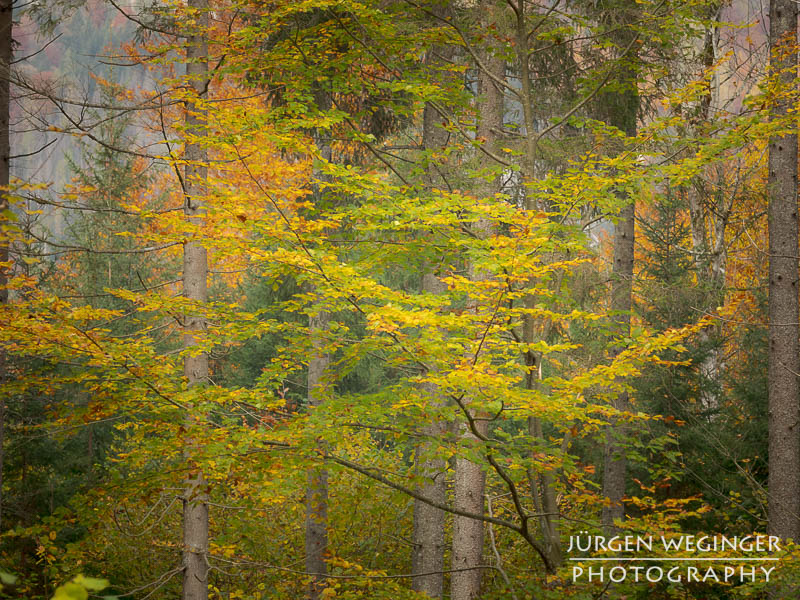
[784, 348]
[6, 54]
[195, 288]
[469, 477]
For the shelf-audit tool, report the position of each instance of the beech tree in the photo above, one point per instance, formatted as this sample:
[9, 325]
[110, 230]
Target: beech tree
[195, 274]
[394, 311]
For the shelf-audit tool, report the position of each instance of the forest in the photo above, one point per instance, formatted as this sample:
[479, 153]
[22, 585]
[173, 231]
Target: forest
[399, 299]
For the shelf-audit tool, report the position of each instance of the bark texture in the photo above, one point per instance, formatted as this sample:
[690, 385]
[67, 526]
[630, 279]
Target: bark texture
[470, 478]
[195, 287]
[544, 495]
[784, 362]
[469, 489]
[316, 525]
[614, 461]
[427, 554]
[621, 108]
[542, 492]
[317, 491]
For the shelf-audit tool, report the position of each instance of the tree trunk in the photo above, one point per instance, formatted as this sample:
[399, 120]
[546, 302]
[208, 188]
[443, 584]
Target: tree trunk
[544, 496]
[708, 227]
[5, 159]
[316, 525]
[470, 484]
[427, 555]
[620, 107]
[195, 287]
[470, 478]
[784, 362]
[317, 491]
[614, 463]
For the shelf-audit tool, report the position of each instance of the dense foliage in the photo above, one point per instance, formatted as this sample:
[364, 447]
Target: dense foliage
[410, 217]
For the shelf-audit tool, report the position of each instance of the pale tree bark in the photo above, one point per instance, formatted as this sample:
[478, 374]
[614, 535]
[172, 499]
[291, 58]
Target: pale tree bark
[195, 287]
[427, 558]
[428, 544]
[784, 358]
[542, 491]
[470, 478]
[316, 525]
[709, 214]
[615, 466]
[614, 461]
[427, 555]
[469, 488]
[316, 538]
[621, 109]
[697, 224]
[5, 160]
[428, 530]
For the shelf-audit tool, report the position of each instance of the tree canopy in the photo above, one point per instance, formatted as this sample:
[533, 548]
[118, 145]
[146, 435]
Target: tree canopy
[336, 299]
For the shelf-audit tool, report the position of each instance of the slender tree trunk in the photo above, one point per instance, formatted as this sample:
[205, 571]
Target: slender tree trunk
[711, 368]
[89, 454]
[544, 497]
[708, 227]
[620, 108]
[195, 287]
[784, 362]
[614, 463]
[427, 555]
[428, 532]
[623, 114]
[697, 223]
[317, 489]
[470, 478]
[5, 159]
[696, 193]
[316, 539]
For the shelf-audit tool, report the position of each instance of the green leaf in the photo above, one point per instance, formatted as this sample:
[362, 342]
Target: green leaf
[93, 584]
[7, 578]
[71, 591]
